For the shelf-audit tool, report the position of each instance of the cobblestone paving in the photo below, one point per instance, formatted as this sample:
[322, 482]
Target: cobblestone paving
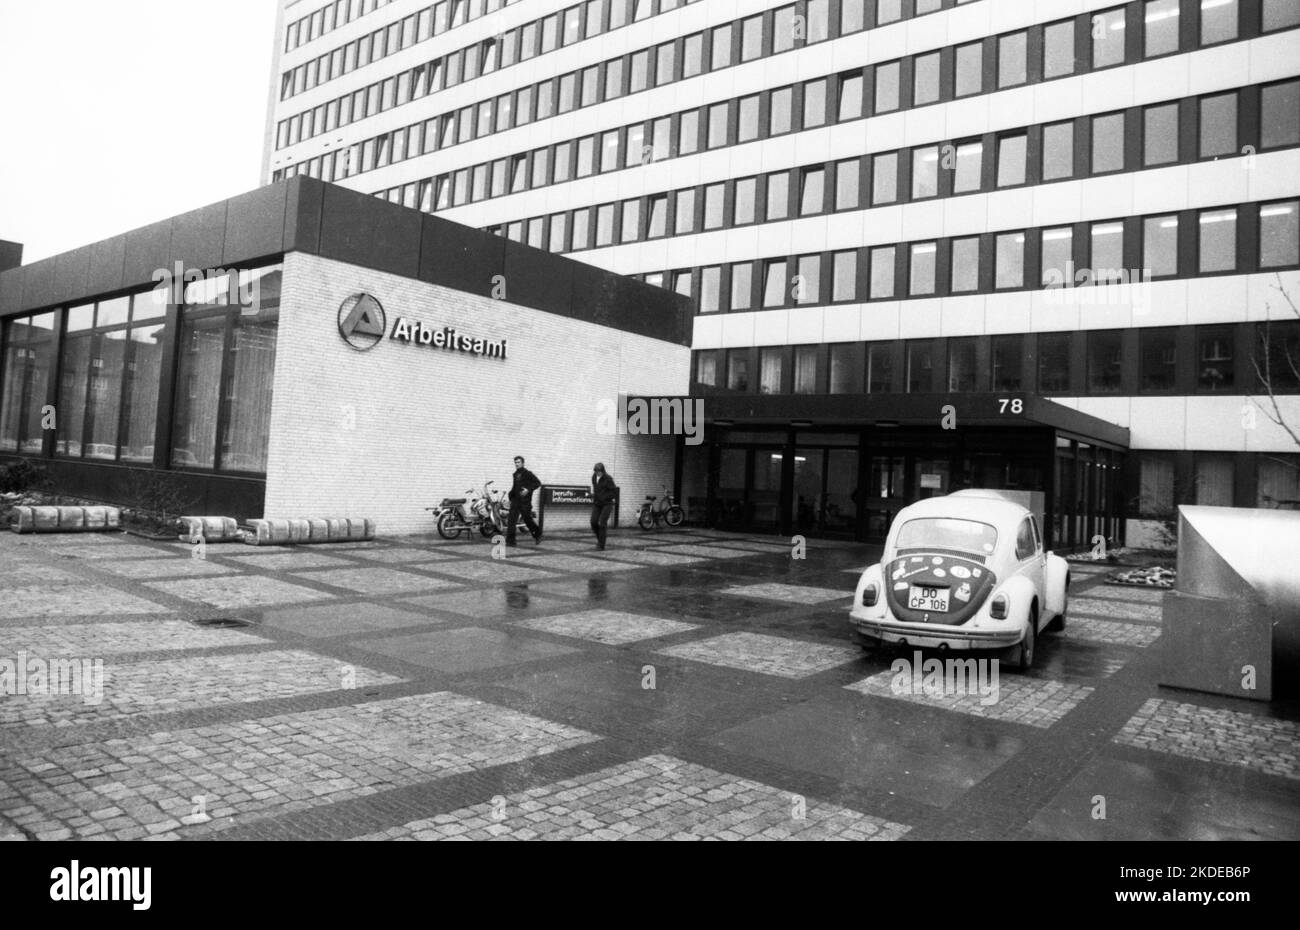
[650, 557]
[1033, 702]
[375, 580]
[69, 600]
[1115, 610]
[607, 626]
[655, 798]
[132, 689]
[792, 593]
[288, 561]
[1212, 734]
[770, 655]
[179, 566]
[233, 592]
[88, 640]
[1127, 593]
[579, 565]
[495, 572]
[708, 552]
[1109, 631]
[145, 785]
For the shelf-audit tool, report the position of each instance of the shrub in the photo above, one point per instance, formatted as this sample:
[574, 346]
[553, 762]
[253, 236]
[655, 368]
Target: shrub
[22, 476]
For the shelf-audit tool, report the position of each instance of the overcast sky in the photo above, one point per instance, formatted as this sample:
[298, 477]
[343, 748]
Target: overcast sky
[118, 113]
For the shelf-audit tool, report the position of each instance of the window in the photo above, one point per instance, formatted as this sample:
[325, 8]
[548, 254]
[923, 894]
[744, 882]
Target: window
[970, 69]
[1058, 49]
[685, 214]
[693, 55]
[1218, 241]
[1160, 135]
[778, 196]
[1054, 362]
[1160, 246]
[637, 150]
[1012, 155]
[1058, 257]
[888, 11]
[1214, 358]
[961, 365]
[807, 284]
[1280, 14]
[852, 18]
[882, 272]
[614, 79]
[814, 104]
[744, 197]
[1010, 271]
[850, 102]
[1107, 252]
[1277, 354]
[720, 48]
[738, 369]
[1214, 479]
[880, 368]
[751, 38]
[714, 198]
[706, 368]
[1013, 59]
[884, 178]
[925, 172]
[1108, 143]
[1025, 545]
[818, 15]
[688, 133]
[631, 227]
[1156, 488]
[710, 288]
[920, 367]
[925, 84]
[783, 29]
[1279, 234]
[1279, 481]
[774, 283]
[812, 196]
[1161, 26]
[1105, 361]
[922, 265]
[779, 116]
[657, 218]
[965, 265]
[742, 286]
[665, 60]
[640, 73]
[1108, 38]
[556, 239]
[844, 284]
[581, 229]
[1058, 151]
[1219, 125]
[1218, 21]
[846, 184]
[846, 369]
[1157, 358]
[805, 369]
[1279, 122]
[718, 125]
[682, 283]
[747, 127]
[969, 167]
[887, 86]
[1007, 359]
[605, 225]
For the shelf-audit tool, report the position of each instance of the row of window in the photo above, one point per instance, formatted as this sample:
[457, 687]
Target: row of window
[1220, 358]
[338, 14]
[111, 377]
[1211, 480]
[1147, 137]
[926, 78]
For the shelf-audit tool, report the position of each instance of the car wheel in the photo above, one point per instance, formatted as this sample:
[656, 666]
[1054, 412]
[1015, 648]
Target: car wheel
[1025, 652]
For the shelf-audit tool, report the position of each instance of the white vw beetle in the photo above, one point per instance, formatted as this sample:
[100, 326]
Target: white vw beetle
[965, 571]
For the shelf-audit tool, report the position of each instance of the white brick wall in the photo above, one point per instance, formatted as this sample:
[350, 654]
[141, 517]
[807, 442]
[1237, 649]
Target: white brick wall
[387, 432]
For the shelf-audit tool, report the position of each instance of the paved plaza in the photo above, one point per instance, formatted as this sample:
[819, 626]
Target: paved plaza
[680, 685]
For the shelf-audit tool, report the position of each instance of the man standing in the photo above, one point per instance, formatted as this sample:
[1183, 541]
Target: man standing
[603, 494]
[521, 502]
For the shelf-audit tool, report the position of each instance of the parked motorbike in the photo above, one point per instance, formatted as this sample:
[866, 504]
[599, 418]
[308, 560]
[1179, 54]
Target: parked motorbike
[487, 511]
[654, 511]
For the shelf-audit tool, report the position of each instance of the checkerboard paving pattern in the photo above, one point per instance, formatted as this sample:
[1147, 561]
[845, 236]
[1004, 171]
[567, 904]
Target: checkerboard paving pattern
[154, 687]
[1109, 631]
[649, 557]
[1113, 592]
[123, 550]
[403, 554]
[612, 627]
[790, 593]
[583, 566]
[88, 640]
[654, 798]
[235, 592]
[73, 600]
[1211, 734]
[282, 561]
[768, 655]
[181, 565]
[709, 552]
[1115, 610]
[144, 785]
[373, 580]
[1032, 701]
[494, 571]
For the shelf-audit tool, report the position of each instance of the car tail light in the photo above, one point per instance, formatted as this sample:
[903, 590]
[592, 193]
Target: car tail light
[998, 608]
[870, 594]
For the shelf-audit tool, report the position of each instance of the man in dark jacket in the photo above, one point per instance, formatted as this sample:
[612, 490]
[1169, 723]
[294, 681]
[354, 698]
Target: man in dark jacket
[523, 485]
[603, 494]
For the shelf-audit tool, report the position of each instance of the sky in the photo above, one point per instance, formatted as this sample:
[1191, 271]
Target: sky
[119, 113]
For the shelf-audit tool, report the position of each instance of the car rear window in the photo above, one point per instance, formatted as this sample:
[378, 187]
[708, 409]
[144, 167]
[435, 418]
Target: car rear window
[942, 533]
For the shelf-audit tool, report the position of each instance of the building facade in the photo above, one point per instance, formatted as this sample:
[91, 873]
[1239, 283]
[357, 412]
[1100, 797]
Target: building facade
[1082, 200]
[305, 350]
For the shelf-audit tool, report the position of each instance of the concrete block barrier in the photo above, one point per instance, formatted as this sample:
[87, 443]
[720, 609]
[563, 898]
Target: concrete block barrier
[28, 519]
[283, 532]
[212, 529]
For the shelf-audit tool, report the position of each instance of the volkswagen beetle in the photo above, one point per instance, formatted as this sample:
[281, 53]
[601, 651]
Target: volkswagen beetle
[965, 571]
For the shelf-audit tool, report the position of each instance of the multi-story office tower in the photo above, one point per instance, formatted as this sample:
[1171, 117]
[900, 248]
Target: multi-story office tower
[904, 223]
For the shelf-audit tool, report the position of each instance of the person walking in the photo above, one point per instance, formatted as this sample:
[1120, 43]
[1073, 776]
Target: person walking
[603, 494]
[522, 486]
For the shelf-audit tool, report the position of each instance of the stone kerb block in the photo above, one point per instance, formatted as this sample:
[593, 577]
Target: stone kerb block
[212, 529]
[46, 519]
[281, 532]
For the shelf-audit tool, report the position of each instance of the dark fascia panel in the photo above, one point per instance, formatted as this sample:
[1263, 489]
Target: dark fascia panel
[461, 258]
[533, 278]
[303, 207]
[255, 224]
[363, 230]
[41, 287]
[71, 275]
[11, 290]
[147, 249]
[199, 237]
[11, 254]
[107, 259]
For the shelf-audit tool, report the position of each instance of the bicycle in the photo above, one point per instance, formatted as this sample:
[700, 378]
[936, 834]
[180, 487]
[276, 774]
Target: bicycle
[655, 511]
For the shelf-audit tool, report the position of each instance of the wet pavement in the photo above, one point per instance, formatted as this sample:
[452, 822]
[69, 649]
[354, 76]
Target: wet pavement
[680, 685]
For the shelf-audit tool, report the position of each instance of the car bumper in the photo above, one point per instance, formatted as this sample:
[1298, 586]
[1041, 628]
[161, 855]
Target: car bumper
[936, 635]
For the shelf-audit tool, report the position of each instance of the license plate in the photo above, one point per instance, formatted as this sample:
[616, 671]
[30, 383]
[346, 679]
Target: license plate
[924, 597]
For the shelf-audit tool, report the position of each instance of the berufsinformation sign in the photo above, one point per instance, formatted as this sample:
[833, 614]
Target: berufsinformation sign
[363, 324]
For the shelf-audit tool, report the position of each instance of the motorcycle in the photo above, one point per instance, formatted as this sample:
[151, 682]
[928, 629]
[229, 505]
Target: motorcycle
[486, 512]
[654, 511]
